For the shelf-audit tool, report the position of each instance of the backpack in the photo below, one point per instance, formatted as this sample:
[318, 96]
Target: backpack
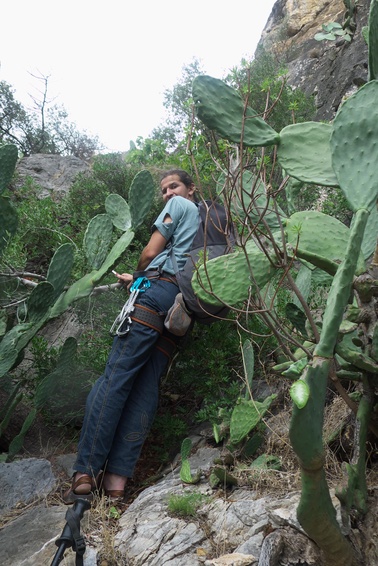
[214, 237]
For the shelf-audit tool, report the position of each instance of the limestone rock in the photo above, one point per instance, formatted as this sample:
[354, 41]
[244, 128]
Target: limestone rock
[329, 70]
[24, 481]
[53, 173]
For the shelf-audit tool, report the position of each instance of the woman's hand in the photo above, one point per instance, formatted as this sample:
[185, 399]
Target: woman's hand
[125, 278]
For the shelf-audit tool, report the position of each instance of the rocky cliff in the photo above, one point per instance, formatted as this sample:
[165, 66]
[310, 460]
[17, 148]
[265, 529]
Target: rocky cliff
[328, 69]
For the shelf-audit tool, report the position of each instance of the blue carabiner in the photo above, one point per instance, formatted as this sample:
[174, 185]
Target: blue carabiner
[141, 284]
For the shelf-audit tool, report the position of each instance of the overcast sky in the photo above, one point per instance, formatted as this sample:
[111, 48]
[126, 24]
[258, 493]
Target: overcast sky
[109, 63]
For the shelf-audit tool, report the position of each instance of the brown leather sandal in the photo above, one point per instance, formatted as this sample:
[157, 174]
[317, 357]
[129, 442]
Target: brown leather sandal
[70, 496]
[113, 495]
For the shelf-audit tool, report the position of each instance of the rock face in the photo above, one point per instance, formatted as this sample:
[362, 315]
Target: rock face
[329, 70]
[53, 173]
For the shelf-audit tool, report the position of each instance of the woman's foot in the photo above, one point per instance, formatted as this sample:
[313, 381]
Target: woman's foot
[113, 486]
[81, 488]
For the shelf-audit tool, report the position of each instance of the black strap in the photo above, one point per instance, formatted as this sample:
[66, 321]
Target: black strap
[78, 542]
[148, 317]
[166, 345]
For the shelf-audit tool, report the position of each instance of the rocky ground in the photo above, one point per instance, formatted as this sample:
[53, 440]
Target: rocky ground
[253, 523]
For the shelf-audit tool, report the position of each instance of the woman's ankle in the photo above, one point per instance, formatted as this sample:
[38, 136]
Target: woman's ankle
[114, 481]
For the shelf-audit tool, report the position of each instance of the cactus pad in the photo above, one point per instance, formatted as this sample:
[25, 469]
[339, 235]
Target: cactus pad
[221, 109]
[141, 197]
[119, 211]
[230, 276]
[321, 235]
[373, 40]
[97, 239]
[304, 153]
[60, 268]
[40, 300]
[8, 160]
[8, 222]
[370, 240]
[246, 415]
[354, 145]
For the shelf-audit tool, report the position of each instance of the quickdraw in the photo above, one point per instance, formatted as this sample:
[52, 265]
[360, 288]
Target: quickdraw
[140, 285]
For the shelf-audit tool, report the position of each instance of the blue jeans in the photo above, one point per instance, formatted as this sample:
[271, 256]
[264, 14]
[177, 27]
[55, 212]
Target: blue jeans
[122, 404]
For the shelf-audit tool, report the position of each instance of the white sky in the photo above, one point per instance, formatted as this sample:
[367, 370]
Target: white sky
[110, 62]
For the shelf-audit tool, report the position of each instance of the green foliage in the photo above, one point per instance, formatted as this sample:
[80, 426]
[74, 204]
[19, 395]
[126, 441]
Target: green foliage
[245, 416]
[185, 505]
[342, 154]
[332, 31]
[185, 472]
[40, 230]
[263, 76]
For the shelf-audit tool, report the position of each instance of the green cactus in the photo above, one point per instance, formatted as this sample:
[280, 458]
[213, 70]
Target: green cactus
[220, 107]
[342, 154]
[97, 239]
[185, 471]
[119, 211]
[304, 153]
[141, 196]
[8, 215]
[246, 415]
[373, 41]
[248, 366]
[60, 267]
[8, 161]
[354, 157]
[50, 298]
[231, 275]
[321, 238]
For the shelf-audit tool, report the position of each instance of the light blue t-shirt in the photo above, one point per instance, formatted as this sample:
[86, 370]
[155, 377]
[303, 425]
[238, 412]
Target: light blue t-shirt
[179, 233]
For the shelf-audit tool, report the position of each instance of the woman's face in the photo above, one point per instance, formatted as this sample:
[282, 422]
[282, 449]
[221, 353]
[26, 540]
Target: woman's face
[171, 186]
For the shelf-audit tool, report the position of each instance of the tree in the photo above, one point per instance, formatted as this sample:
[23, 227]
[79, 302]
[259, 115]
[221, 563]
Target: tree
[178, 102]
[44, 129]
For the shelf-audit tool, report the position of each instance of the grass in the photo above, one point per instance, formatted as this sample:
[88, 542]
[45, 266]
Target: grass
[185, 505]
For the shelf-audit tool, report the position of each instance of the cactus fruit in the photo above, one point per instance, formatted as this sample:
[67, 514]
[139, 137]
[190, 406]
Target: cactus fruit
[220, 107]
[354, 145]
[304, 153]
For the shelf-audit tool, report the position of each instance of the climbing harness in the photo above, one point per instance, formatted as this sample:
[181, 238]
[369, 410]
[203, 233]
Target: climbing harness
[140, 285]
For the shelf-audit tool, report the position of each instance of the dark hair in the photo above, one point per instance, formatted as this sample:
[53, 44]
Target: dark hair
[182, 175]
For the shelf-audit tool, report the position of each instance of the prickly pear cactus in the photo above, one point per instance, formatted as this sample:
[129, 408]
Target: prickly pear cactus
[343, 154]
[49, 299]
[304, 153]
[220, 107]
[8, 215]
